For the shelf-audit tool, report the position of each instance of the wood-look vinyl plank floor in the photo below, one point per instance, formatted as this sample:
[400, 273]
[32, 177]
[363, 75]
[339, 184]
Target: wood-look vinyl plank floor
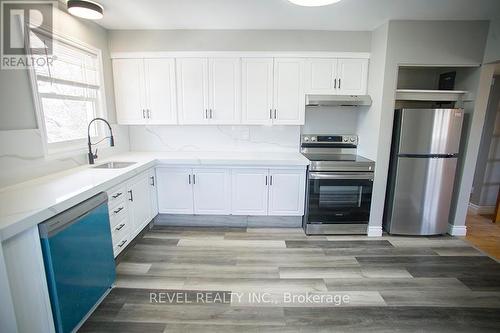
[259, 280]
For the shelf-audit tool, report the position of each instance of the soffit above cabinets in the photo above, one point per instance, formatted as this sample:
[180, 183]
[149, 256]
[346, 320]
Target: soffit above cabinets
[241, 54]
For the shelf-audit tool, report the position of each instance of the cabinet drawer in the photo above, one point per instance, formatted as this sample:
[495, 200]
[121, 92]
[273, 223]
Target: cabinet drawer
[119, 231]
[117, 213]
[120, 245]
[116, 194]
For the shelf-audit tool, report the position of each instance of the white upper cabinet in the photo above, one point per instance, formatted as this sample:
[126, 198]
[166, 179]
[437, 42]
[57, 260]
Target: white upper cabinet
[273, 91]
[145, 91]
[286, 192]
[212, 191]
[321, 75]
[224, 90]
[249, 191]
[160, 89]
[128, 75]
[192, 90]
[289, 94]
[352, 76]
[257, 91]
[337, 76]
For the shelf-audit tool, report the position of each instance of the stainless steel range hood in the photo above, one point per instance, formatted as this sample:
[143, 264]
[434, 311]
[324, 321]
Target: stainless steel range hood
[338, 100]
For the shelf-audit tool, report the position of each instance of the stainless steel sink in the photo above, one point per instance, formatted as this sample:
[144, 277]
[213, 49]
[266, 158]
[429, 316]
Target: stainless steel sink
[114, 165]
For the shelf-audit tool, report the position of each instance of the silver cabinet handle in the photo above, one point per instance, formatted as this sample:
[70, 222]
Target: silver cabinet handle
[189, 179]
[335, 83]
[122, 243]
[149, 113]
[152, 181]
[144, 113]
[118, 210]
[271, 180]
[211, 113]
[266, 180]
[117, 195]
[275, 113]
[270, 113]
[194, 179]
[206, 113]
[131, 196]
[120, 227]
[339, 83]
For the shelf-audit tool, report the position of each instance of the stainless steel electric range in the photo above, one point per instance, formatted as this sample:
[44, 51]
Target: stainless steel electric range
[339, 185]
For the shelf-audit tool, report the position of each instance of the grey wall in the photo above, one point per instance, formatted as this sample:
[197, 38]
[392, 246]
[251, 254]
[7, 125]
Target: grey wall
[238, 40]
[15, 90]
[487, 150]
[431, 43]
[21, 149]
[492, 52]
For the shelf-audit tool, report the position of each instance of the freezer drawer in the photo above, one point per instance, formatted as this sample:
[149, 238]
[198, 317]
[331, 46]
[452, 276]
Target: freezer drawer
[429, 131]
[422, 195]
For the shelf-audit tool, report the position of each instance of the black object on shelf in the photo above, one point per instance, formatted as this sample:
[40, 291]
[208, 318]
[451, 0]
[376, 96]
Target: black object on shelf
[447, 81]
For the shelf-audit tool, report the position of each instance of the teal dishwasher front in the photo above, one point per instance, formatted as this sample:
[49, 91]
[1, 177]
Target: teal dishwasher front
[79, 262]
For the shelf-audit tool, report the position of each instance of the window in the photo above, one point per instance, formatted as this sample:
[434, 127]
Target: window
[69, 94]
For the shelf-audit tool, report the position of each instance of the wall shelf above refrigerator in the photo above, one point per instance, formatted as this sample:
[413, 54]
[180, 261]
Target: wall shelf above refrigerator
[432, 95]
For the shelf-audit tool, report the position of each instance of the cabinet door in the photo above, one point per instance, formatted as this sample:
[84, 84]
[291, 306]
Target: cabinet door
[160, 89]
[211, 191]
[353, 76]
[286, 192]
[289, 94]
[257, 90]
[192, 90]
[321, 76]
[139, 196]
[128, 76]
[224, 90]
[249, 191]
[175, 191]
[153, 192]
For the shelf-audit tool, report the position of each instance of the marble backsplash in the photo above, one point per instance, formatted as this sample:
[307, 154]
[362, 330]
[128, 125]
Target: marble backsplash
[215, 138]
[22, 157]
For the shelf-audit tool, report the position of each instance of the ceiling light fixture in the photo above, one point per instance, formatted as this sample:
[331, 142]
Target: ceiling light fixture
[85, 9]
[313, 3]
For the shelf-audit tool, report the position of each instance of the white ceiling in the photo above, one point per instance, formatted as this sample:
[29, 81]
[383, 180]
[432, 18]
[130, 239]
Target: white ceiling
[281, 14]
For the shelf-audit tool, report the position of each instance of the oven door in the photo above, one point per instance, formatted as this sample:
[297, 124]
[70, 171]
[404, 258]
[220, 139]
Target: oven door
[339, 197]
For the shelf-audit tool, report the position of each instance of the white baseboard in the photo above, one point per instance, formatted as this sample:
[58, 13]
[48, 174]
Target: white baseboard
[457, 230]
[480, 210]
[374, 231]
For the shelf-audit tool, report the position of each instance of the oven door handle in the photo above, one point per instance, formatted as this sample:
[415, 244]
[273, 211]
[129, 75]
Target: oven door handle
[343, 175]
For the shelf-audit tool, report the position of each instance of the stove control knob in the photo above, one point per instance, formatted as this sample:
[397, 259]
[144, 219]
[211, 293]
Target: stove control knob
[346, 140]
[353, 139]
[306, 138]
[313, 138]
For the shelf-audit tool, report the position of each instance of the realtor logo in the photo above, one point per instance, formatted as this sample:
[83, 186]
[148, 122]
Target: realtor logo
[26, 33]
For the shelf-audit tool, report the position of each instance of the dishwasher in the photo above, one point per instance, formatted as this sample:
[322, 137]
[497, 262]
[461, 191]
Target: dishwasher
[79, 263]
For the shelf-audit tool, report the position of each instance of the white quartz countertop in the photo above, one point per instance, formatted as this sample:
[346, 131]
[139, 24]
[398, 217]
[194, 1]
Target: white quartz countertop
[27, 204]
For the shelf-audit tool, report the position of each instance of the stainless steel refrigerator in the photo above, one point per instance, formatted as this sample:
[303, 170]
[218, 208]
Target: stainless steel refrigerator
[423, 163]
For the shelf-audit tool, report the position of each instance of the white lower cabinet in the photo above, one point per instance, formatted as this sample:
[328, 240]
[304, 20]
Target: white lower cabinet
[132, 205]
[249, 191]
[139, 197]
[231, 191]
[268, 192]
[211, 189]
[286, 192]
[175, 191]
[193, 191]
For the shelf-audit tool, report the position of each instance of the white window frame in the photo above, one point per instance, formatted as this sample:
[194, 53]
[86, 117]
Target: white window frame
[78, 146]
